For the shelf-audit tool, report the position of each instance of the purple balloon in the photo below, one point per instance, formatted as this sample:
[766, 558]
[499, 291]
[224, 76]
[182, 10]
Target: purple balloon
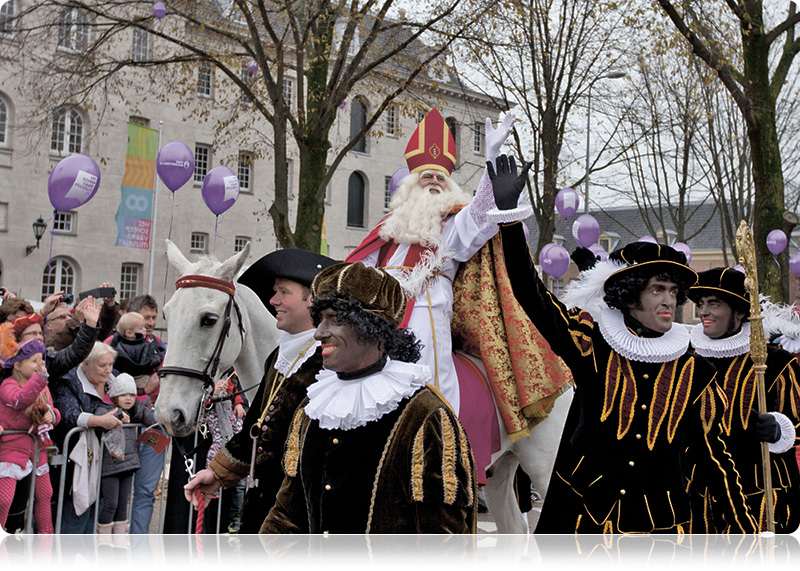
[739, 268]
[599, 251]
[556, 261]
[776, 242]
[175, 164]
[73, 182]
[567, 202]
[794, 263]
[396, 179]
[252, 67]
[543, 251]
[159, 10]
[681, 247]
[647, 239]
[586, 230]
[220, 189]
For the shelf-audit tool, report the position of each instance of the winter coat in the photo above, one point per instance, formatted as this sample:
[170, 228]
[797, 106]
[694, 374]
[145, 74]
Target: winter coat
[139, 414]
[59, 363]
[140, 356]
[14, 399]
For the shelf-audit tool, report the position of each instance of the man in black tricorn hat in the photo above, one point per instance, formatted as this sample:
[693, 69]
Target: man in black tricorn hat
[281, 280]
[374, 448]
[723, 337]
[641, 398]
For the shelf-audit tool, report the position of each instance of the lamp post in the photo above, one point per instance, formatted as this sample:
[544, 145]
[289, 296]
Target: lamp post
[38, 231]
[612, 74]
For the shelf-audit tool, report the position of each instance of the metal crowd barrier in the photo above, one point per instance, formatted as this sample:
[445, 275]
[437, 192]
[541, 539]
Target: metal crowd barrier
[35, 460]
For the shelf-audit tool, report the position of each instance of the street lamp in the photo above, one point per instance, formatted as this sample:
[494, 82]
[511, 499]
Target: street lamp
[612, 74]
[38, 231]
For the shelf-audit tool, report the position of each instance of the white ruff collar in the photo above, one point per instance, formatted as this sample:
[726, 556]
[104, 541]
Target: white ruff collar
[732, 346]
[289, 347]
[350, 404]
[668, 347]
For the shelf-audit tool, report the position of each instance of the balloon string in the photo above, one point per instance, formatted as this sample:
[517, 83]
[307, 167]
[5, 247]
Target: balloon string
[217, 223]
[776, 261]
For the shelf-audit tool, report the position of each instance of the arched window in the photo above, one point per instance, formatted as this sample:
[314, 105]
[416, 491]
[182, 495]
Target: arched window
[58, 276]
[355, 200]
[67, 135]
[358, 119]
[4, 120]
[452, 124]
[7, 18]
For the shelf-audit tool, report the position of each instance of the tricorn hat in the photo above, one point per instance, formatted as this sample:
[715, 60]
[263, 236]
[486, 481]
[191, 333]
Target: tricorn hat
[432, 146]
[725, 283]
[377, 291]
[294, 264]
[652, 259]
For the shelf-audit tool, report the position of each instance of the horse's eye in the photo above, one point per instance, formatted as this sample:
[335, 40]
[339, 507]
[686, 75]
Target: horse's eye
[208, 320]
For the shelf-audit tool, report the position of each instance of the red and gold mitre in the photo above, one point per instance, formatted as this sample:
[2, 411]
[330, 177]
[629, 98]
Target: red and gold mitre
[432, 146]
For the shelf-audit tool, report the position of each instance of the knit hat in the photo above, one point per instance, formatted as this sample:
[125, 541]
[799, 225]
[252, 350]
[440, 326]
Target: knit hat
[12, 352]
[726, 283]
[652, 259]
[122, 384]
[377, 291]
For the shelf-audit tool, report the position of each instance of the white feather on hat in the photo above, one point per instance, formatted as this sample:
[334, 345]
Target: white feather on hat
[782, 319]
[587, 291]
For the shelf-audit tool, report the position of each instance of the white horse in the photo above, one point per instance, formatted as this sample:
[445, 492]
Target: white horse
[208, 332]
[195, 317]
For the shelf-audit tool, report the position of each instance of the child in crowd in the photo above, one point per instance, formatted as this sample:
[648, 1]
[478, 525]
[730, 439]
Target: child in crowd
[135, 355]
[119, 466]
[25, 404]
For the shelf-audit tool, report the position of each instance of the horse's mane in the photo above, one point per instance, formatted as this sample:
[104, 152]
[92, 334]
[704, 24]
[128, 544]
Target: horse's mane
[205, 264]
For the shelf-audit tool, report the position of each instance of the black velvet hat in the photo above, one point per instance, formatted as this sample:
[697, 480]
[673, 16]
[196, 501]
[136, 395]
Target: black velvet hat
[725, 283]
[651, 259]
[294, 264]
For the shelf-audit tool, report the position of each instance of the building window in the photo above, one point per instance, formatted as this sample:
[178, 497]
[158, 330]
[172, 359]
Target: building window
[3, 122]
[479, 138]
[204, 79]
[247, 79]
[73, 30]
[59, 275]
[3, 216]
[64, 223]
[245, 171]
[387, 196]
[202, 158]
[129, 281]
[452, 124]
[288, 91]
[609, 241]
[67, 135]
[143, 121]
[358, 120]
[289, 178]
[199, 243]
[669, 238]
[391, 121]
[239, 243]
[7, 14]
[420, 115]
[558, 239]
[355, 201]
[140, 47]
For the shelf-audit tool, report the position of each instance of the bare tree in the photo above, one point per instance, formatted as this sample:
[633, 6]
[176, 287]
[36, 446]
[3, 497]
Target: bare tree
[331, 48]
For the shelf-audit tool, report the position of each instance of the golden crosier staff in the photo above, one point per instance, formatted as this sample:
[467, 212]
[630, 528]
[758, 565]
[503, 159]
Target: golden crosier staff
[758, 352]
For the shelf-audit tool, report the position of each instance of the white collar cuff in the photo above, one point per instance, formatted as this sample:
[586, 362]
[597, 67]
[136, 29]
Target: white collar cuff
[289, 347]
[668, 347]
[732, 346]
[349, 404]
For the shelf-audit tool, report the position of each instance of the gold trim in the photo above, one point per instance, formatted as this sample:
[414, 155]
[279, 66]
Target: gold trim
[417, 464]
[291, 458]
[448, 458]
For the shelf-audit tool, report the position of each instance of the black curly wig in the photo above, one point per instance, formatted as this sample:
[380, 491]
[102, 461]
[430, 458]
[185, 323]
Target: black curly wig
[398, 344]
[627, 289]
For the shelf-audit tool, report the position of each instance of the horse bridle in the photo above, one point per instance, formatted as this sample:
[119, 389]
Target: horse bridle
[209, 372]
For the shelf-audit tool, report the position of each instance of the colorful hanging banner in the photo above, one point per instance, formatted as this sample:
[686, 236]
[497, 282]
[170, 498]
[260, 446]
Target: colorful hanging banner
[134, 215]
[323, 246]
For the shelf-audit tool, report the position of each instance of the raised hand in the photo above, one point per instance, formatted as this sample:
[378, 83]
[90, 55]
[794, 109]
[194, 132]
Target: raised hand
[91, 311]
[496, 137]
[507, 185]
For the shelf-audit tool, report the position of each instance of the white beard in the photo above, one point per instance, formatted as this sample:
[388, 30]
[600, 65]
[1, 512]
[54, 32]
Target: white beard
[417, 214]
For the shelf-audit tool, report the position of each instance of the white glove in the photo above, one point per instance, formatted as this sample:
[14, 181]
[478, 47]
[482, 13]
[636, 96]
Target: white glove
[496, 137]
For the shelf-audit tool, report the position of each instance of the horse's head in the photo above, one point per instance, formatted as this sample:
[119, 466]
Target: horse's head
[196, 317]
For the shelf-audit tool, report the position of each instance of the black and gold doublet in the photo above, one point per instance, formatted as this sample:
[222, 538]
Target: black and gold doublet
[620, 465]
[410, 471]
[232, 463]
[737, 378]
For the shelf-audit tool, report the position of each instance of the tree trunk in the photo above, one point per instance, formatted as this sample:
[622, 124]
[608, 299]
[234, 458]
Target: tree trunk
[279, 211]
[311, 205]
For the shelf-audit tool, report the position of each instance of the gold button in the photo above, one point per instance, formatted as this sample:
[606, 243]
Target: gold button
[644, 407]
[638, 437]
[622, 492]
[630, 463]
[646, 376]
[327, 487]
[335, 441]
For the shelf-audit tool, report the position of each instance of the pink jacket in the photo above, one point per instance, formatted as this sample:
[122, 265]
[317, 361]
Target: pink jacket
[14, 399]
